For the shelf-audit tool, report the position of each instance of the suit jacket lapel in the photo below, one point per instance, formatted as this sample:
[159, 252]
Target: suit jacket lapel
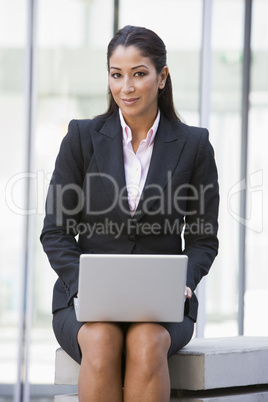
[108, 147]
[167, 149]
[110, 160]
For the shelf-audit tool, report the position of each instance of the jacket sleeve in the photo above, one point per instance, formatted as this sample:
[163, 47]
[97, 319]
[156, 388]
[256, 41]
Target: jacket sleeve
[63, 208]
[201, 220]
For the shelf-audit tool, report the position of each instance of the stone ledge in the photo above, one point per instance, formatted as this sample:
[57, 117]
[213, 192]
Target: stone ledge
[66, 398]
[209, 363]
[66, 369]
[204, 364]
[236, 397]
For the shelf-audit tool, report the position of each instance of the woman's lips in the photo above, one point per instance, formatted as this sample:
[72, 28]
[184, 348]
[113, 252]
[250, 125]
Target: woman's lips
[130, 101]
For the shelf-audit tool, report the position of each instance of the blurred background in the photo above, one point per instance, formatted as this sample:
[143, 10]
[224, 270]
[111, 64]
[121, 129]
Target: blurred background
[53, 69]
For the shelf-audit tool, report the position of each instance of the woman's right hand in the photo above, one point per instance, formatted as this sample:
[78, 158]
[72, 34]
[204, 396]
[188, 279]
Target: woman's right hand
[188, 293]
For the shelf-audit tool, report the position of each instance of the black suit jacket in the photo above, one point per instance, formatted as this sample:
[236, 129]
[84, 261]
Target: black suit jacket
[87, 209]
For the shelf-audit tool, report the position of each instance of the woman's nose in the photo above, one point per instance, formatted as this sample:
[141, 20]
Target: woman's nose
[128, 86]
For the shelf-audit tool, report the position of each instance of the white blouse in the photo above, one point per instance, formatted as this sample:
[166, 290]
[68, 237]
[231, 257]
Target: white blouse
[137, 164]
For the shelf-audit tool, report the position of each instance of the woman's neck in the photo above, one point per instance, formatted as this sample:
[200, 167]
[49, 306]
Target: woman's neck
[139, 128]
[139, 132]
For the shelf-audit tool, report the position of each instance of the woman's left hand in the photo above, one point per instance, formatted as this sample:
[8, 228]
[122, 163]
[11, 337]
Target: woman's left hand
[188, 293]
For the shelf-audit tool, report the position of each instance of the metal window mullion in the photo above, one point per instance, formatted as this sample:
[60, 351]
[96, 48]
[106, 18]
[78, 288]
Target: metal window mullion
[205, 67]
[25, 314]
[244, 162]
[116, 16]
[204, 110]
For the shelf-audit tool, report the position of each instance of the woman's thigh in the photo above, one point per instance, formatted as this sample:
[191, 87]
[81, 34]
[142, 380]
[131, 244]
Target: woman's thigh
[147, 338]
[101, 341]
[167, 338]
[180, 333]
[66, 329]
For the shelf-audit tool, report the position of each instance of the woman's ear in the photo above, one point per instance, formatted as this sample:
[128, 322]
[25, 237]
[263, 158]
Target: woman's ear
[163, 77]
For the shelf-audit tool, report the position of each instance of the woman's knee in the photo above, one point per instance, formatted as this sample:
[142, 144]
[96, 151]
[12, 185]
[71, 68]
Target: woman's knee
[147, 345]
[101, 344]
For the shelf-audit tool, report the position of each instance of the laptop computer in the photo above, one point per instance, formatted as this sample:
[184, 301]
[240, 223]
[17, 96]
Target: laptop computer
[131, 287]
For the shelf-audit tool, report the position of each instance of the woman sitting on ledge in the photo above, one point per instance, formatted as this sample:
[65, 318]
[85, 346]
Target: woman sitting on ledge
[135, 167]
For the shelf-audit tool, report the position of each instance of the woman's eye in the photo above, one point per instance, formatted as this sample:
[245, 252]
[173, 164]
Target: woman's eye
[116, 75]
[139, 74]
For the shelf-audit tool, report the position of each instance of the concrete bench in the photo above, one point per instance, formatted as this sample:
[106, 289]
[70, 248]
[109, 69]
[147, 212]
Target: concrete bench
[208, 369]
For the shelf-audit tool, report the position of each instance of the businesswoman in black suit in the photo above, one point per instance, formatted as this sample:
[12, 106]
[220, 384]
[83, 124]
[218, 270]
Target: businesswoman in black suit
[133, 180]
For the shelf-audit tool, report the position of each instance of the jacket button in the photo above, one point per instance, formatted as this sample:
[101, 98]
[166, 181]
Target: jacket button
[132, 238]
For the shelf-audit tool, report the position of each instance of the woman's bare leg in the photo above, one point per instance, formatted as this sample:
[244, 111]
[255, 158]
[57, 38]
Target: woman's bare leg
[101, 345]
[147, 376]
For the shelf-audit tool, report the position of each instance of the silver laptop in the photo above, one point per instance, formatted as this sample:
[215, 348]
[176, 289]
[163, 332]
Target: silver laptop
[131, 287]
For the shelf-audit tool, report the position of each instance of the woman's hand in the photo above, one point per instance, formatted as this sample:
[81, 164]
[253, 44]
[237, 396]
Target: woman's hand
[188, 293]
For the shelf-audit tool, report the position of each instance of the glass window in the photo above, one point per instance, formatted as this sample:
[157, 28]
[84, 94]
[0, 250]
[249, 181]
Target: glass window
[180, 28]
[72, 83]
[256, 223]
[12, 166]
[225, 135]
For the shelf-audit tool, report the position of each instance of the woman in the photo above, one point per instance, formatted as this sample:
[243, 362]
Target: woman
[137, 166]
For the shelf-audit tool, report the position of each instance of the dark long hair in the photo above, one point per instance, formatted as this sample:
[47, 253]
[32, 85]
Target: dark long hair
[151, 46]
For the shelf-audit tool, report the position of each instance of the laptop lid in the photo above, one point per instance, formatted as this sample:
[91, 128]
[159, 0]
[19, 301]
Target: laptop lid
[131, 287]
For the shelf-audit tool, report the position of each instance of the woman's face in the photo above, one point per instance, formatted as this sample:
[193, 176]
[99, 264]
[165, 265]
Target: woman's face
[134, 83]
